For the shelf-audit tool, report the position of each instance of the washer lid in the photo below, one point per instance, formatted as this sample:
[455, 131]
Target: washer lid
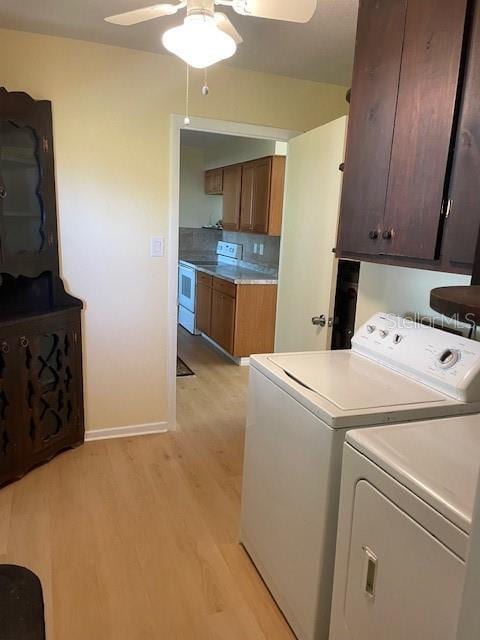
[351, 381]
[438, 460]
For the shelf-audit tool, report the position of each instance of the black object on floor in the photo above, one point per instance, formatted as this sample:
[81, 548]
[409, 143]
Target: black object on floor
[21, 604]
[182, 370]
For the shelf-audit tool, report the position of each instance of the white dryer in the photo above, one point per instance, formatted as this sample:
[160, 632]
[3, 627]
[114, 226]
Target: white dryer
[405, 517]
[300, 407]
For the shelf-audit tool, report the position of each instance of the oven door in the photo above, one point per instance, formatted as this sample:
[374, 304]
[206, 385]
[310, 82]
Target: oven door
[186, 287]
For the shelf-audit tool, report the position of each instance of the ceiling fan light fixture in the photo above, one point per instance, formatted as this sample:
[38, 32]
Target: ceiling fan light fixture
[199, 42]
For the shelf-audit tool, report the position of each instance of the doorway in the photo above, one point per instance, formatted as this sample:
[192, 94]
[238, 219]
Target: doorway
[204, 138]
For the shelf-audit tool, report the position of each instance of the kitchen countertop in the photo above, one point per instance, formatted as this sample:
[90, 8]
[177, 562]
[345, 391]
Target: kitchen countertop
[235, 273]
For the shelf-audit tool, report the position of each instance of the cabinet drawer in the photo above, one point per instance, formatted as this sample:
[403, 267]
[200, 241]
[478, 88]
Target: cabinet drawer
[228, 288]
[204, 278]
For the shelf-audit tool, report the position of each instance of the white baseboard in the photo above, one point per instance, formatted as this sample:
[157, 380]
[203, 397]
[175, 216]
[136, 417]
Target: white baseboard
[241, 362]
[126, 432]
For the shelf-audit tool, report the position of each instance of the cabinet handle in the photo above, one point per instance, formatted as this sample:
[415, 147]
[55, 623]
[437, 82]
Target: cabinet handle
[5, 348]
[24, 342]
[3, 192]
[373, 234]
[388, 234]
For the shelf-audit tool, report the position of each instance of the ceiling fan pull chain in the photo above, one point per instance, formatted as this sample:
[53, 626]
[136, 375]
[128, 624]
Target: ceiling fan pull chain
[205, 88]
[186, 120]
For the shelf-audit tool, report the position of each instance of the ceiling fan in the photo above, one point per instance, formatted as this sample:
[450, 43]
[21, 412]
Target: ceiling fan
[207, 36]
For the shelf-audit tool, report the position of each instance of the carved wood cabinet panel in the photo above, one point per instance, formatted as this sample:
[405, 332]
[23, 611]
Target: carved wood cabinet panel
[41, 399]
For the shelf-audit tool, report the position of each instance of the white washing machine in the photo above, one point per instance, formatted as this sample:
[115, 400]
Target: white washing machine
[405, 517]
[300, 407]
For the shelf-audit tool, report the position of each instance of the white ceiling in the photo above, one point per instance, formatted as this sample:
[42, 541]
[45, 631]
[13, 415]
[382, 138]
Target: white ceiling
[321, 50]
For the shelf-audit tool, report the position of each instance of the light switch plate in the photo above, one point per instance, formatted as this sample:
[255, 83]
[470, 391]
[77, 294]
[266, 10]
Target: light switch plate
[157, 246]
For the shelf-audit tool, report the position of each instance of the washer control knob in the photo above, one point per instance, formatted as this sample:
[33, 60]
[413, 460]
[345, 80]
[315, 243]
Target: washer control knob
[397, 338]
[448, 358]
[383, 333]
[371, 328]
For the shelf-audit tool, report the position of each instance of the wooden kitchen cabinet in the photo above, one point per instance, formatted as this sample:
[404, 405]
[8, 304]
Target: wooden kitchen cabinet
[252, 195]
[408, 72]
[223, 320]
[262, 195]
[214, 182]
[203, 315]
[232, 187]
[239, 318]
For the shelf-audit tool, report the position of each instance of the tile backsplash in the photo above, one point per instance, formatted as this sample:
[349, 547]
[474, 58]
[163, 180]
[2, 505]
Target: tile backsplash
[271, 248]
[203, 242]
[198, 242]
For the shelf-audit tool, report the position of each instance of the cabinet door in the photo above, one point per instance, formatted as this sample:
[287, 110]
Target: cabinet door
[214, 182]
[261, 195]
[432, 52]
[8, 414]
[247, 197]
[203, 308]
[378, 55]
[223, 320]
[232, 185]
[27, 185]
[52, 392]
[463, 222]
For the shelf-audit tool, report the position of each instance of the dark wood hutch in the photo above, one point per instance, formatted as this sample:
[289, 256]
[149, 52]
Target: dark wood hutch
[41, 389]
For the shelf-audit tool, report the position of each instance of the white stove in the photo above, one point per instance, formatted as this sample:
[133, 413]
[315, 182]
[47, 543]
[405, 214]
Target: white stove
[300, 407]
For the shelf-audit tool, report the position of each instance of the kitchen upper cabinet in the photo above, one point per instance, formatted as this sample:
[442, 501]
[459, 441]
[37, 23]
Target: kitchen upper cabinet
[253, 195]
[232, 187]
[463, 220]
[247, 203]
[407, 76]
[214, 182]
[262, 195]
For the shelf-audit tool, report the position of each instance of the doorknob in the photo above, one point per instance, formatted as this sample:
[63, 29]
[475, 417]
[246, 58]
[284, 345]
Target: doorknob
[321, 321]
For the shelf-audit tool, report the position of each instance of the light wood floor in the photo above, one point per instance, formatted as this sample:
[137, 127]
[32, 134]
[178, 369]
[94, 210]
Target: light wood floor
[136, 539]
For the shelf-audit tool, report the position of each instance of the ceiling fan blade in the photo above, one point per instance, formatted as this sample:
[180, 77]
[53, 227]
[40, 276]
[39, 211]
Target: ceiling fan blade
[224, 24]
[288, 10]
[145, 13]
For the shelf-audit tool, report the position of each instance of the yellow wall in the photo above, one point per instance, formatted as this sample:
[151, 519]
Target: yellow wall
[399, 290]
[111, 109]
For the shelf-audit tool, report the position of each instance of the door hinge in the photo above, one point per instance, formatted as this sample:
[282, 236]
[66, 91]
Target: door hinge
[45, 144]
[447, 208]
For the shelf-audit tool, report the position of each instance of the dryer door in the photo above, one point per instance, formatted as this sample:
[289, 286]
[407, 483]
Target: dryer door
[403, 584]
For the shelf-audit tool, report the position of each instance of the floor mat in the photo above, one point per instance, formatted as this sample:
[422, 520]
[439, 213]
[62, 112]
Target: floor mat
[183, 369]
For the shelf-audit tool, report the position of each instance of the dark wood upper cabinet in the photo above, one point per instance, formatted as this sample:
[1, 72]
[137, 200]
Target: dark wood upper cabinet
[463, 220]
[429, 78]
[378, 56]
[415, 61]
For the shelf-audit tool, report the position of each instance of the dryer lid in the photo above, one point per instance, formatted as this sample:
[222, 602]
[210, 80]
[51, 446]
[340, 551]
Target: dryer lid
[438, 460]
